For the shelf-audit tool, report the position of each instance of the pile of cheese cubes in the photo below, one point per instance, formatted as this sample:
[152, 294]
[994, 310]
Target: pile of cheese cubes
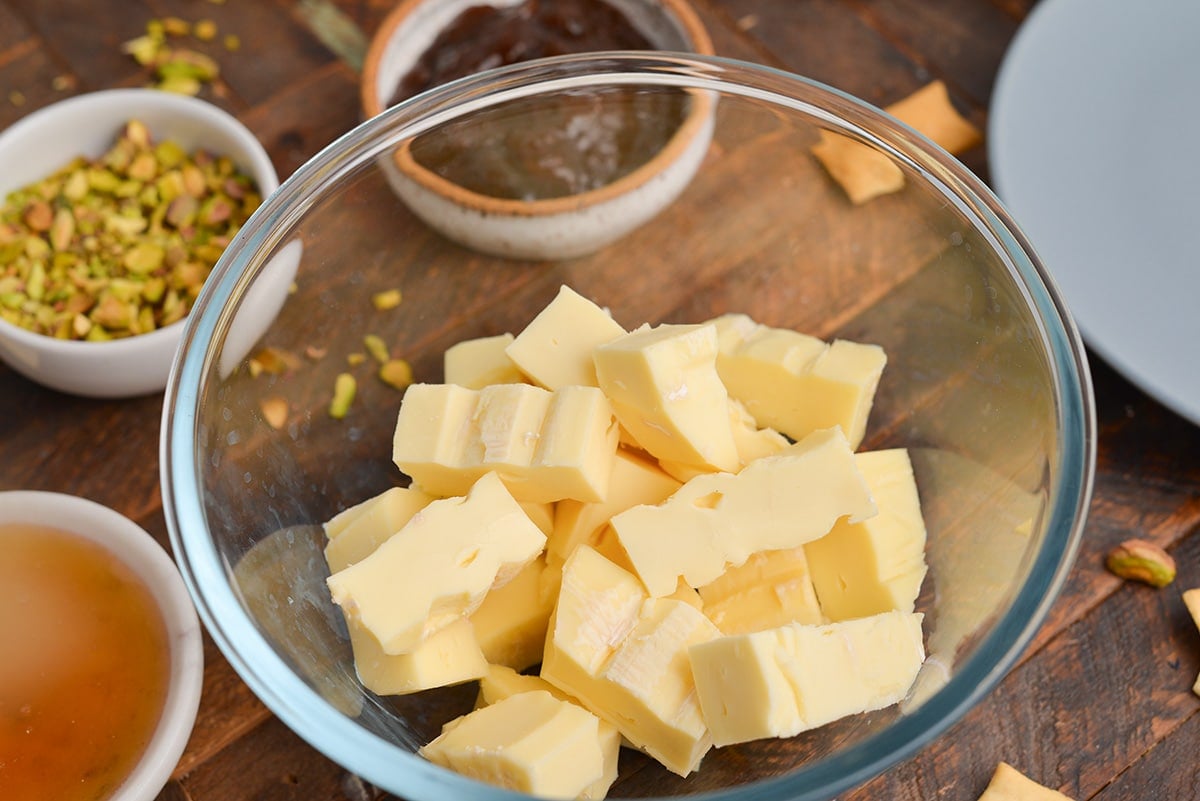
[671, 525]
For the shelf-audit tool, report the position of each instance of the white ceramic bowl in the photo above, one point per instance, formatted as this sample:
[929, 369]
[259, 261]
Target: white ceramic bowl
[544, 228]
[142, 554]
[87, 125]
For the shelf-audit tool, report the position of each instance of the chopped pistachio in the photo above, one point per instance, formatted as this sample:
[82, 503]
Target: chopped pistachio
[276, 360]
[377, 348]
[397, 373]
[232, 42]
[274, 411]
[205, 30]
[182, 63]
[90, 252]
[144, 258]
[38, 216]
[180, 85]
[388, 299]
[62, 229]
[144, 49]
[344, 389]
[355, 359]
[174, 26]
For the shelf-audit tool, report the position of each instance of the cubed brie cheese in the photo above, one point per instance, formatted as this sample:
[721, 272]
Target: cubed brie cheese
[439, 567]
[716, 519]
[545, 446]
[555, 349]
[782, 681]
[665, 391]
[878, 564]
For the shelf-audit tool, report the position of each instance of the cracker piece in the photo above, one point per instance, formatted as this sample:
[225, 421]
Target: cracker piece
[930, 111]
[1009, 784]
[1191, 598]
[863, 172]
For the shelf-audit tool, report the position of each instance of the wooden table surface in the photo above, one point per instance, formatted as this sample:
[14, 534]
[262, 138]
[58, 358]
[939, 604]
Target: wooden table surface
[1100, 706]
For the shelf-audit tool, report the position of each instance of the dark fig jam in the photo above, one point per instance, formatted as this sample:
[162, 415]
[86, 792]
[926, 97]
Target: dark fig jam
[484, 37]
[549, 146]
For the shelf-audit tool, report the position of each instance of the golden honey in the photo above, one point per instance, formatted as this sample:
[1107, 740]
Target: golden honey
[84, 666]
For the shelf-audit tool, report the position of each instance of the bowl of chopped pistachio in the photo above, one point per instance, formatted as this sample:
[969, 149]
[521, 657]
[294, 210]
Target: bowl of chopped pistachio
[116, 206]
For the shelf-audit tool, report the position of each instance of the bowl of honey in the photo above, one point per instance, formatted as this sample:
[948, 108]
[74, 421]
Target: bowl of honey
[541, 181]
[101, 678]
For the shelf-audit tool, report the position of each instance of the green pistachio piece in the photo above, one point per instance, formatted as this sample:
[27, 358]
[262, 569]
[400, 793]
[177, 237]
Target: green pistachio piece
[344, 389]
[144, 258]
[377, 348]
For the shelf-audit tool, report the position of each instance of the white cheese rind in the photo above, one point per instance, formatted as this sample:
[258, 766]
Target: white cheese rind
[624, 656]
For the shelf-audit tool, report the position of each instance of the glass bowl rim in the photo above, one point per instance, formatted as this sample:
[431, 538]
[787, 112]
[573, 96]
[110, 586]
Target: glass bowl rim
[397, 770]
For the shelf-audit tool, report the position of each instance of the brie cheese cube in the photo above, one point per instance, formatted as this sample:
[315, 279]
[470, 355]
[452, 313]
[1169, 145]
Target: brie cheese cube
[665, 391]
[555, 349]
[782, 681]
[439, 567]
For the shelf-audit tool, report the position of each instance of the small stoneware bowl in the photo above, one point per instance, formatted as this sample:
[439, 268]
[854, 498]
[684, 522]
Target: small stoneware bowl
[137, 550]
[512, 203]
[87, 125]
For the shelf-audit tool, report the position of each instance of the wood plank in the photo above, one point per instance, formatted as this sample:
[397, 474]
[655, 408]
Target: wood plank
[275, 50]
[228, 710]
[27, 72]
[270, 763]
[1088, 705]
[827, 41]
[961, 41]
[288, 129]
[86, 36]
[13, 31]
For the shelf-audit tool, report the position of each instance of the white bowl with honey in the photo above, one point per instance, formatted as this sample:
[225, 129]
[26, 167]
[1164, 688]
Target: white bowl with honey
[103, 660]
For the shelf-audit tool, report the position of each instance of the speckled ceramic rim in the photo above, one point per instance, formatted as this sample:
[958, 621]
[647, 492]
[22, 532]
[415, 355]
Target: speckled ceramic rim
[391, 767]
[137, 549]
[694, 124]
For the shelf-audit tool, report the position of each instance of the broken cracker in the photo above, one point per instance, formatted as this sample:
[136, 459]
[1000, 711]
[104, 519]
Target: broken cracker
[1009, 784]
[865, 173]
[930, 111]
[1191, 599]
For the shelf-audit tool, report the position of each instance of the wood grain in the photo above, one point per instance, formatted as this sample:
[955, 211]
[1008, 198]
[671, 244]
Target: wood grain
[1099, 705]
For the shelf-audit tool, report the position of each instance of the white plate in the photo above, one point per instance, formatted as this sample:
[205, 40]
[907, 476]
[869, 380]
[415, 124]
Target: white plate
[1094, 143]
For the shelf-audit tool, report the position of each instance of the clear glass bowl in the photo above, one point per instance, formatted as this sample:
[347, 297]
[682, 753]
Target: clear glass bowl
[986, 384]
